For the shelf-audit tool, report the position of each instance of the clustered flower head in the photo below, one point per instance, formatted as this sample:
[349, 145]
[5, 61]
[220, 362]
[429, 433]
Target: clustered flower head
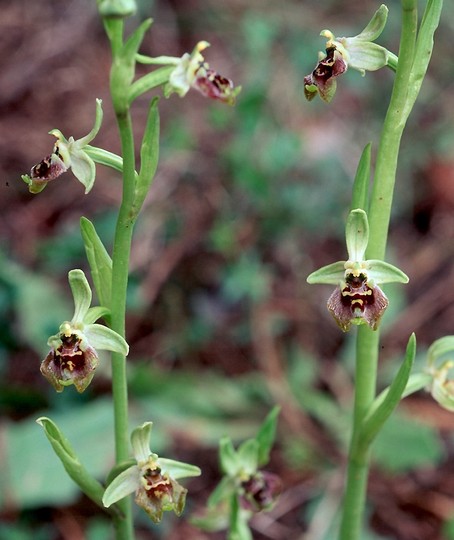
[192, 71]
[66, 154]
[358, 52]
[357, 298]
[152, 478]
[73, 357]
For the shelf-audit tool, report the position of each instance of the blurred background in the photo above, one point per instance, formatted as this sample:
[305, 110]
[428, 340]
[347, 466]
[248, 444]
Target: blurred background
[247, 201]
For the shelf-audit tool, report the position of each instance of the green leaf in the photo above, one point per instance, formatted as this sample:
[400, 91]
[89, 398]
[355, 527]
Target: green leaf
[266, 436]
[99, 261]
[423, 51]
[89, 485]
[149, 156]
[385, 404]
[360, 195]
[131, 48]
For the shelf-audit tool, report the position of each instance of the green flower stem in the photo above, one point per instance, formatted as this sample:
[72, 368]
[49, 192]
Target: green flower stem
[358, 459]
[379, 217]
[393, 127]
[120, 265]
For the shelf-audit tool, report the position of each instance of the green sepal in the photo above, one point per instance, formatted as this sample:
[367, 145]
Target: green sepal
[81, 294]
[375, 26]
[178, 469]
[367, 56]
[76, 471]
[357, 234]
[439, 348]
[156, 78]
[332, 274]
[102, 337]
[266, 435]
[384, 405]
[140, 441]
[229, 460]
[99, 261]
[383, 272]
[248, 456]
[360, 192]
[149, 156]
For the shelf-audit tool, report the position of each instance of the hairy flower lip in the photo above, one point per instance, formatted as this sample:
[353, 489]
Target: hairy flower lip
[260, 491]
[70, 364]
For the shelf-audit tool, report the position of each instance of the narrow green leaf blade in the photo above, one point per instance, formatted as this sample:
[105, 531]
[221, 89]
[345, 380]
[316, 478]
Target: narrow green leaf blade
[380, 411]
[423, 52]
[149, 155]
[99, 261]
[360, 195]
[266, 436]
[61, 446]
